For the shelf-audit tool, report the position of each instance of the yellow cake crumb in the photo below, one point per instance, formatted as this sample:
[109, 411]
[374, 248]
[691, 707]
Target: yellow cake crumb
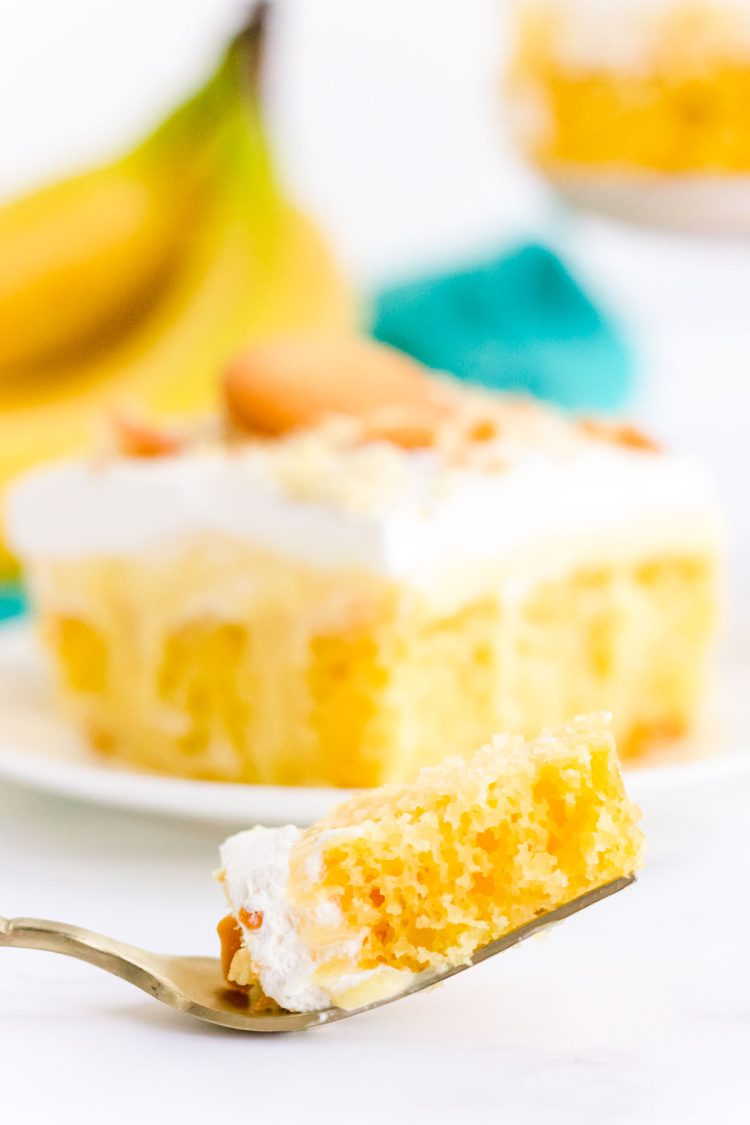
[430, 871]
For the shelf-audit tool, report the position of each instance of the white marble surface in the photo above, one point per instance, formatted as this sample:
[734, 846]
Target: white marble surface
[637, 1011]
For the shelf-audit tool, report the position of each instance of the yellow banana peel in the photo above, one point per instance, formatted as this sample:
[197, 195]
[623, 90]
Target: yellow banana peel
[139, 279]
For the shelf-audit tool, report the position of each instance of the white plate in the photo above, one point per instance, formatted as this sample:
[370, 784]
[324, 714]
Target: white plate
[39, 750]
[685, 204]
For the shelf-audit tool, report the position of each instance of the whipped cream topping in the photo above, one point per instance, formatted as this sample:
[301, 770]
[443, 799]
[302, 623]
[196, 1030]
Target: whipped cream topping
[406, 516]
[255, 873]
[624, 35]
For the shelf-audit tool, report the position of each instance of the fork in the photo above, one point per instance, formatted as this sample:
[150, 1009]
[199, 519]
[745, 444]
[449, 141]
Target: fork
[196, 987]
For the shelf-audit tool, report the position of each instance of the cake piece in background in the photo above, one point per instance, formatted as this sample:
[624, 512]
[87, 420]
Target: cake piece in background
[416, 878]
[661, 87]
[361, 566]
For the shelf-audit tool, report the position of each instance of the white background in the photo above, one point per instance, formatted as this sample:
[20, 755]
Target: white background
[388, 127]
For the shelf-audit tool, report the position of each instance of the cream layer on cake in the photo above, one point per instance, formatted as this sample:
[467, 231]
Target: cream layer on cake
[629, 36]
[399, 515]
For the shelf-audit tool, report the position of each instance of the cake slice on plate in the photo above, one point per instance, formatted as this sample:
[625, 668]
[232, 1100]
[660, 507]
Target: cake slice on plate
[360, 565]
[415, 878]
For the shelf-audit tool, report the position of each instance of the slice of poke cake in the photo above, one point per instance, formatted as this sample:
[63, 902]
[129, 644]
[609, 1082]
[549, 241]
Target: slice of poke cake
[358, 566]
[416, 878]
[659, 87]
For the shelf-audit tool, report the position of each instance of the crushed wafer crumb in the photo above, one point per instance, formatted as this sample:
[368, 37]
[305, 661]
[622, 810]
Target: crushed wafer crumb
[241, 969]
[619, 433]
[360, 463]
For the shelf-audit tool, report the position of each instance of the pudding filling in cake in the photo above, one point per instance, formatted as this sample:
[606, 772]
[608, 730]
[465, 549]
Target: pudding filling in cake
[415, 878]
[343, 600]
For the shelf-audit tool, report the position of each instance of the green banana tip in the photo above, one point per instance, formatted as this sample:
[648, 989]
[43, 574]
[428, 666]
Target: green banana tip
[247, 48]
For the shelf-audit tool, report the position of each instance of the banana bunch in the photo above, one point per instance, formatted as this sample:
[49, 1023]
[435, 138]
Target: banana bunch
[138, 279]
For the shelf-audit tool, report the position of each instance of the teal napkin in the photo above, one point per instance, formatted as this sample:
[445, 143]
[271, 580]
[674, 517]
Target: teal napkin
[520, 322]
[12, 601]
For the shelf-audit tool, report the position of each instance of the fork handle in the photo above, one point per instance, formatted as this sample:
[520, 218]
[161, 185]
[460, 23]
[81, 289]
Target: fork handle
[54, 937]
[126, 961]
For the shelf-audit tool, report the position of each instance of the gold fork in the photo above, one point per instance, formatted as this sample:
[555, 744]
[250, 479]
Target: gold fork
[195, 985]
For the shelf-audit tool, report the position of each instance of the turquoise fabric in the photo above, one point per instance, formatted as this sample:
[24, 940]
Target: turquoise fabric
[12, 601]
[520, 322]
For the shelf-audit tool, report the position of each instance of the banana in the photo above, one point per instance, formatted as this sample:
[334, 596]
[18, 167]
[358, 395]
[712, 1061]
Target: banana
[141, 278]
